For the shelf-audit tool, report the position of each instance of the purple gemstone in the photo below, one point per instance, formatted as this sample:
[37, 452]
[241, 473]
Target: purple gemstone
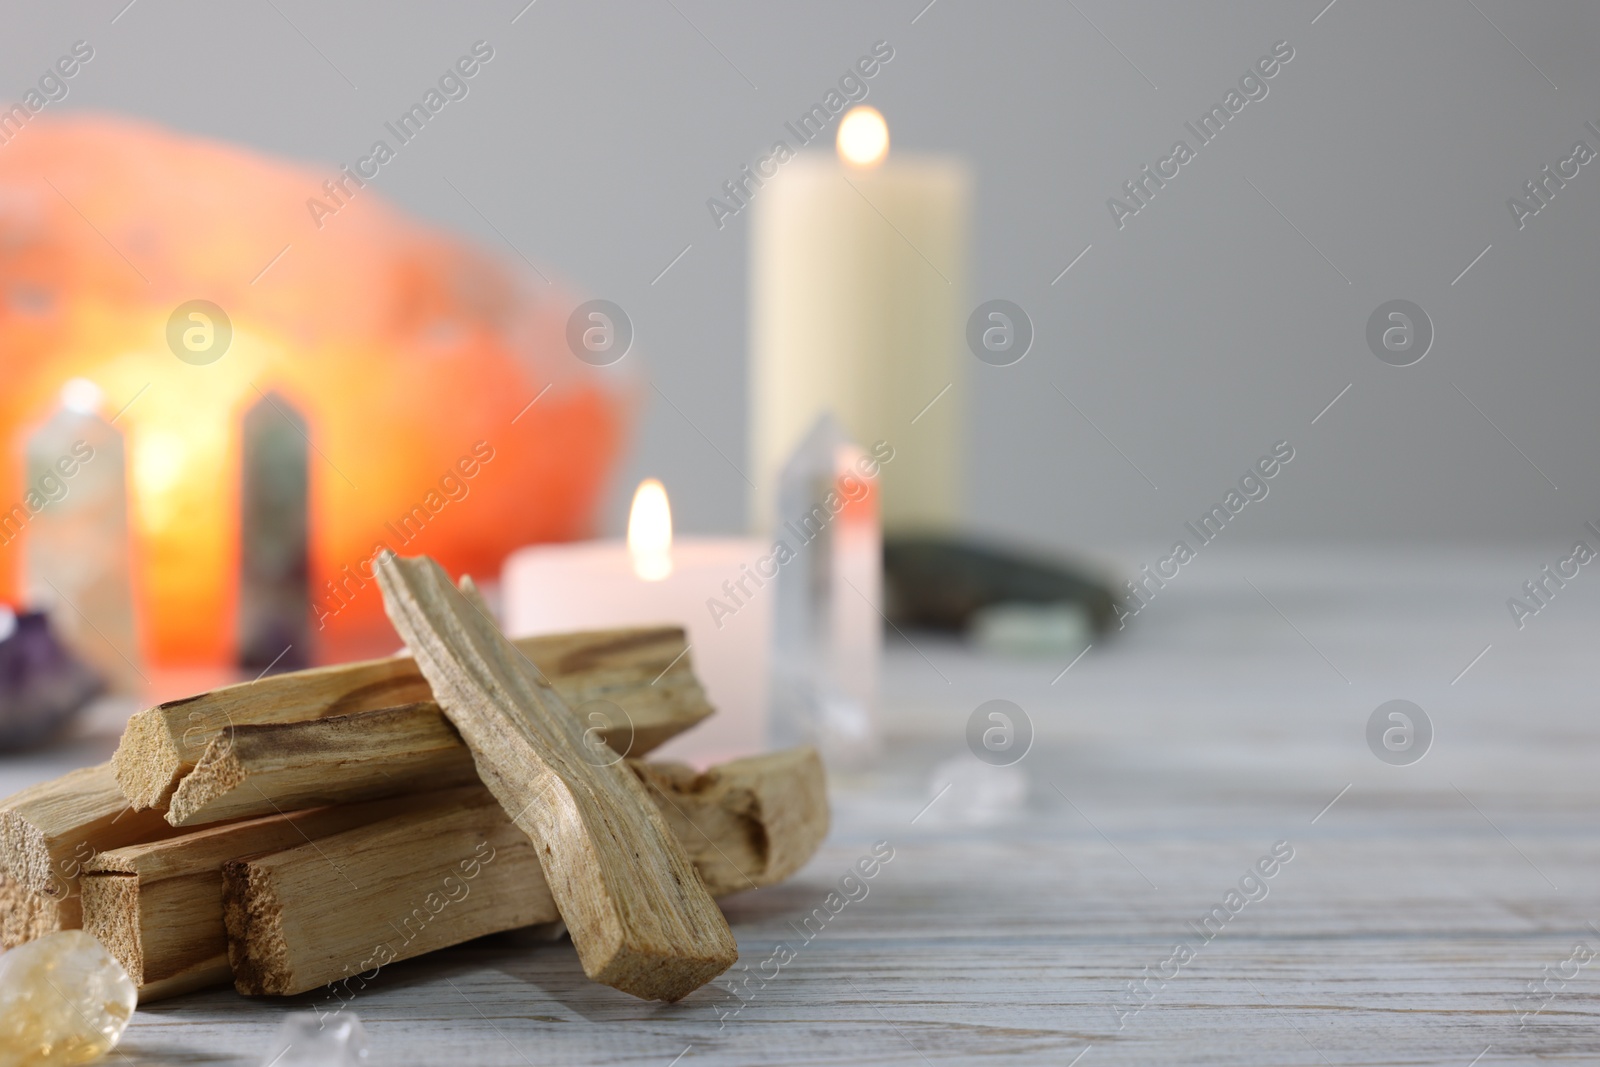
[42, 684]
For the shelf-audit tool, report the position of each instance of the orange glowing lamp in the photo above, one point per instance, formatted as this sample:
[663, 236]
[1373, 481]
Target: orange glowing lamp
[410, 356]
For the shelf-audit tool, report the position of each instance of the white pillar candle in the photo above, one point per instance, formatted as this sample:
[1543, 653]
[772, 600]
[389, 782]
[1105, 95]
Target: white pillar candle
[858, 271]
[708, 586]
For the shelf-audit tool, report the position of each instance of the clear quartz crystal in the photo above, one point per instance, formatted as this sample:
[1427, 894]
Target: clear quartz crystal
[63, 1000]
[77, 546]
[827, 633]
[307, 1039]
[965, 792]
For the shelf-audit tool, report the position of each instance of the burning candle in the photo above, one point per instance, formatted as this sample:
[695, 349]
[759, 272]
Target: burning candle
[857, 309]
[718, 589]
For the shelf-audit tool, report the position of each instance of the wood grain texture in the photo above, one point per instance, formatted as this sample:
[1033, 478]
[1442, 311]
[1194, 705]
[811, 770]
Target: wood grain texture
[745, 824]
[158, 906]
[303, 917]
[1416, 912]
[639, 915]
[49, 831]
[255, 770]
[27, 916]
[643, 670]
[276, 767]
[1015, 943]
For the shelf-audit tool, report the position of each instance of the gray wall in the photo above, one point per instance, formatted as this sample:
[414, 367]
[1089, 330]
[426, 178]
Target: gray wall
[1205, 330]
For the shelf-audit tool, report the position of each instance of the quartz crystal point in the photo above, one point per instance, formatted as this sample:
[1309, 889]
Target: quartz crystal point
[827, 630]
[78, 549]
[63, 1000]
[307, 1039]
[274, 538]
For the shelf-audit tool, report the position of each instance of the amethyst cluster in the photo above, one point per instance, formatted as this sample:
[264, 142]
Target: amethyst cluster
[42, 684]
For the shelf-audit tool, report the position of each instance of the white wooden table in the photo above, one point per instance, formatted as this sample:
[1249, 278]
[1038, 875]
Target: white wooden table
[1415, 912]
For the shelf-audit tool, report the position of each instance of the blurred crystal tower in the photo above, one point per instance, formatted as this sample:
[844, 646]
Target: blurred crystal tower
[827, 630]
[78, 546]
[274, 538]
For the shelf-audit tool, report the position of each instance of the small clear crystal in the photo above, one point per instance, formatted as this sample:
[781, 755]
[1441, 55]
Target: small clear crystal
[63, 1000]
[307, 1039]
[978, 794]
[827, 633]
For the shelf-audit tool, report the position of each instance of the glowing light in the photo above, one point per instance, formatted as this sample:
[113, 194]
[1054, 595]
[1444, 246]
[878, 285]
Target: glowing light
[863, 137]
[81, 395]
[8, 623]
[650, 531]
[159, 459]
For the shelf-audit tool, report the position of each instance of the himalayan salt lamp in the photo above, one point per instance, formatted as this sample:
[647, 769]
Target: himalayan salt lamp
[414, 358]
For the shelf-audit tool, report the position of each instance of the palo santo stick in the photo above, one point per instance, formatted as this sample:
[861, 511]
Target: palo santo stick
[640, 917]
[422, 882]
[443, 876]
[255, 770]
[158, 907]
[27, 916]
[643, 670]
[277, 767]
[48, 831]
[745, 823]
[289, 766]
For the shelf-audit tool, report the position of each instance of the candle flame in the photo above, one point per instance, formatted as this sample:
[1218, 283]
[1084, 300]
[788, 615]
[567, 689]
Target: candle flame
[650, 531]
[863, 137]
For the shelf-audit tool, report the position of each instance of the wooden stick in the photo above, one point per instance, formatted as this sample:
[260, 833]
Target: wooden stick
[256, 770]
[746, 823]
[421, 882]
[644, 670]
[158, 907]
[443, 876]
[276, 767]
[27, 916]
[50, 830]
[640, 917]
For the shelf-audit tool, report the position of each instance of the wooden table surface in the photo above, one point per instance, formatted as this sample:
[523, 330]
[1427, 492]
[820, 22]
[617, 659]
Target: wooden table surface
[1420, 903]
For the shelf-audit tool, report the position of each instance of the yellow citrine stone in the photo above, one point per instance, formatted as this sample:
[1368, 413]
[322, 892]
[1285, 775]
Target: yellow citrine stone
[63, 1000]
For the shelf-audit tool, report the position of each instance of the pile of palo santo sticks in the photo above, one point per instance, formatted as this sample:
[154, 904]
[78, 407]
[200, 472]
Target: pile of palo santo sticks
[293, 831]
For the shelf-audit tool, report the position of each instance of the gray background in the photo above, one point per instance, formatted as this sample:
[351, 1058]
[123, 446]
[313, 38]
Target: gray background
[1196, 337]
